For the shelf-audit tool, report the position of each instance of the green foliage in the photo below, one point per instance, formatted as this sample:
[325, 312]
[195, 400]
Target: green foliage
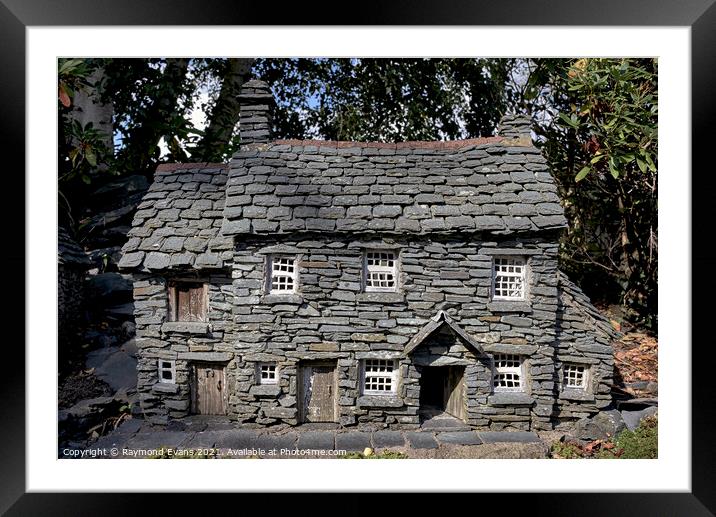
[387, 99]
[566, 451]
[83, 153]
[641, 443]
[71, 76]
[596, 121]
[597, 124]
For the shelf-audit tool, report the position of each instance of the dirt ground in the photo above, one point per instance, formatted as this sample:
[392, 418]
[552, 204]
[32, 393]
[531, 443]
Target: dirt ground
[80, 385]
[636, 354]
[636, 357]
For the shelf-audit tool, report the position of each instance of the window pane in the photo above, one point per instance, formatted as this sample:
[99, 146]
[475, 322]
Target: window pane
[509, 277]
[379, 376]
[380, 270]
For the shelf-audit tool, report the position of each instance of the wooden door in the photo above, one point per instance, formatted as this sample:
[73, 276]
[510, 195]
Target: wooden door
[209, 390]
[319, 393]
[455, 392]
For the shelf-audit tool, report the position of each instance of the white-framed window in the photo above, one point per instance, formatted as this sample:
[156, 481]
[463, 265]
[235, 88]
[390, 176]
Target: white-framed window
[381, 270]
[283, 274]
[575, 376]
[267, 373]
[508, 278]
[167, 371]
[380, 376]
[508, 373]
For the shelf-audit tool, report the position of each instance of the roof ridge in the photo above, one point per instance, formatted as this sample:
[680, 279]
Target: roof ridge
[421, 144]
[173, 166]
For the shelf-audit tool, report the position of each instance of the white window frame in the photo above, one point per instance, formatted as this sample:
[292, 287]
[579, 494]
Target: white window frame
[565, 377]
[379, 269]
[272, 273]
[508, 370]
[521, 276]
[268, 380]
[172, 369]
[392, 375]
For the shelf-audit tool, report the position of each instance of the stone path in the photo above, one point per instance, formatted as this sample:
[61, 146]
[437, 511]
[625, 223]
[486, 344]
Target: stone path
[135, 438]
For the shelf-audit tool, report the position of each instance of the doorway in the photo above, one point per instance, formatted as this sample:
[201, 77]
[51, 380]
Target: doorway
[442, 391]
[318, 392]
[208, 393]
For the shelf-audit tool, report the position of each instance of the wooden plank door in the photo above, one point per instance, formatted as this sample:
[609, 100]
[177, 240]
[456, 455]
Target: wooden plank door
[319, 393]
[455, 393]
[209, 390]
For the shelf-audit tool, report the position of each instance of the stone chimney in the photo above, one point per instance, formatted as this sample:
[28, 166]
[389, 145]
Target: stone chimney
[257, 103]
[515, 126]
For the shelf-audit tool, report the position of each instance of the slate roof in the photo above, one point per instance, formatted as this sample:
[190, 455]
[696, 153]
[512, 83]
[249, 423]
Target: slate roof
[498, 185]
[436, 322]
[192, 212]
[571, 296]
[177, 223]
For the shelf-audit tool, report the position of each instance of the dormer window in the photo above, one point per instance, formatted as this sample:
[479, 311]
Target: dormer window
[381, 270]
[508, 278]
[283, 274]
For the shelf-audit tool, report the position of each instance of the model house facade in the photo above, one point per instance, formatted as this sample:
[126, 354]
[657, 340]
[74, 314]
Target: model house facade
[364, 284]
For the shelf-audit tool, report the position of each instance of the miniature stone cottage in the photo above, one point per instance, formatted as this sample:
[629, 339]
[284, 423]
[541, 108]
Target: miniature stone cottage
[366, 284]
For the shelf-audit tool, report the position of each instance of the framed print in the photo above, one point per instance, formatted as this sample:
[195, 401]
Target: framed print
[407, 304]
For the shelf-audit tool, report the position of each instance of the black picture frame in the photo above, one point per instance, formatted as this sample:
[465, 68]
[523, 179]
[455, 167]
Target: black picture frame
[699, 15]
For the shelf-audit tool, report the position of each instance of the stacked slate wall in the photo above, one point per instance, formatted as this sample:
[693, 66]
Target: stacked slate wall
[584, 337]
[185, 343]
[330, 317]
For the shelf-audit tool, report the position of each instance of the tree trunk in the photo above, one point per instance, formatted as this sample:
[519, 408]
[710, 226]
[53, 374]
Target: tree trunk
[87, 107]
[225, 115]
[141, 152]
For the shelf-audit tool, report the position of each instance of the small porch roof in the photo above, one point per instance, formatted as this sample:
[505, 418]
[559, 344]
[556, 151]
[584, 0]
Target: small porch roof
[435, 323]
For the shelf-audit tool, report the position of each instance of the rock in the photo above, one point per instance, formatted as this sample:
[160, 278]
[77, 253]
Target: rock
[508, 437]
[105, 258]
[602, 426]
[108, 289]
[280, 412]
[388, 439]
[421, 440]
[459, 438]
[316, 440]
[123, 311]
[129, 329]
[129, 347]
[114, 366]
[120, 189]
[636, 404]
[85, 409]
[353, 441]
[111, 217]
[633, 418]
[157, 260]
